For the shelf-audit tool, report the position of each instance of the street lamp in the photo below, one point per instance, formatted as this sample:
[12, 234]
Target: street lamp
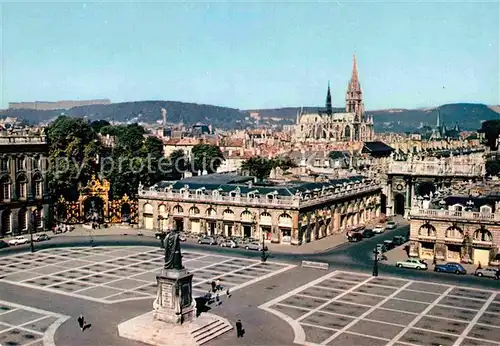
[263, 256]
[31, 226]
[375, 262]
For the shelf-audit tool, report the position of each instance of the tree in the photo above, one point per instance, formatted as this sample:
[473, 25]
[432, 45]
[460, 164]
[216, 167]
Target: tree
[493, 167]
[73, 152]
[258, 166]
[98, 125]
[491, 130]
[284, 162]
[178, 164]
[206, 157]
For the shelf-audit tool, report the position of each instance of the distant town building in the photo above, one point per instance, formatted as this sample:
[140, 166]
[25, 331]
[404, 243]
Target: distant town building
[47, 105]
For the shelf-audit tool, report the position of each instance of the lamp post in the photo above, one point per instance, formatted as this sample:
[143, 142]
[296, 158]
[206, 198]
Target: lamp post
[263, 256]
[94, 218]
[375, 262]
[31, 226]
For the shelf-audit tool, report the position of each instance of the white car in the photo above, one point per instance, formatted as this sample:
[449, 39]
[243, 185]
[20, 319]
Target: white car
[18, 241]
[379, 229]
[413, 264]
[229, 243]
[391, 225]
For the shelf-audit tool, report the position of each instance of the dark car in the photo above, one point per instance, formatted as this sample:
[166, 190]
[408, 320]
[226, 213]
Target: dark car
[3, 244]
[368, 233]
[450, 267]
[399, 240]
[355, 237]
[389, 245]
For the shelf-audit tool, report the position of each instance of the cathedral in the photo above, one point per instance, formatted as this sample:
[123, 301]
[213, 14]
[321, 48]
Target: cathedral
[349, 126]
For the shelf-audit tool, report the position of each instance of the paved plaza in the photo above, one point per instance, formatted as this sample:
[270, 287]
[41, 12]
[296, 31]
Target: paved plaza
[344, 308]
[23, 325]
[114, 274]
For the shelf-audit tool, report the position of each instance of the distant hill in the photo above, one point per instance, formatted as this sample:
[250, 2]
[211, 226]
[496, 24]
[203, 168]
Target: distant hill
[468, 115]
[145, 111]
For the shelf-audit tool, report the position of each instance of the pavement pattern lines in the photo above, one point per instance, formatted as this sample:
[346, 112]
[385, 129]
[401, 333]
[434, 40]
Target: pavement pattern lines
[23, 325]
[346, 308]
[113, 274]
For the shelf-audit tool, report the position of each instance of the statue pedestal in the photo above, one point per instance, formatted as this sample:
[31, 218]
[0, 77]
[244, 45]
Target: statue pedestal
[174, 302]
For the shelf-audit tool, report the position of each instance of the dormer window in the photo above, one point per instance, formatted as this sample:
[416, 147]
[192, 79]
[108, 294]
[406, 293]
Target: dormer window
[457, 207]
[485, 209]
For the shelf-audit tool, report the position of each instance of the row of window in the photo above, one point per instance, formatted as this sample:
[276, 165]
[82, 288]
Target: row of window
[484, 209]
[21, 163]
[21, 189]
[455, 232]
[23, 220]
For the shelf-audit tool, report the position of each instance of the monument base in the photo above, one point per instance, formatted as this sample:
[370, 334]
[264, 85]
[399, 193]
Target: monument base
[174, 302]
[146, 329]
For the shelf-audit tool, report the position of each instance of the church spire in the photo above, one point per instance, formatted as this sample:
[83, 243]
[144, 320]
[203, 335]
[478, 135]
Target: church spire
[438, 120]
[329, 109]
[354, 95]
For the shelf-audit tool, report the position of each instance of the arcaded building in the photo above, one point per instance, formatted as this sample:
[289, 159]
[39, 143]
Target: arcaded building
[24, 196]
[457, 229]
[235, 206]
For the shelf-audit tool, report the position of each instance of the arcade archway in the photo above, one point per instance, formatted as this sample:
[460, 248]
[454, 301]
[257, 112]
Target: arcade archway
[399, 204]
[383, 204]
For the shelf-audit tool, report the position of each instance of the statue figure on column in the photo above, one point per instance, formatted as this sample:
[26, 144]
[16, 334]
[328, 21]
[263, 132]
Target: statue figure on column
[173, 257]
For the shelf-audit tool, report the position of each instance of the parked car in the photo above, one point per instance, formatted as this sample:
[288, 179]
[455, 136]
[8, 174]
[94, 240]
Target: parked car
[254, 245]
[355, 237]
[41, 237]
[413, 264]
[399, 240]
[379, 229]
[489, 272]
[207, 240]
[450, 267]
[389, 245]
[228, 243]
[18, 241]
[391, 225]
[367, 233]
[3, 244]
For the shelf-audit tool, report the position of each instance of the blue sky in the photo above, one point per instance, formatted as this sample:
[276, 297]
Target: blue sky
[251, 54]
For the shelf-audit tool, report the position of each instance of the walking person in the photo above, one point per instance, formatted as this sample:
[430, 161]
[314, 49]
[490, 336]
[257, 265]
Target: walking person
[81, 322]
[239, 329]
[213, 286]
[217, 299]
[218, 286]
[229, 294]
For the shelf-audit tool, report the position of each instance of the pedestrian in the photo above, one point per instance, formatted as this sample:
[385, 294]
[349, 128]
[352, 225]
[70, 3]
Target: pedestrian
[217, 299]
[219, 287]
[81, 322]
[213, 286]
[497, 274]
[229, 294]
[239, 329]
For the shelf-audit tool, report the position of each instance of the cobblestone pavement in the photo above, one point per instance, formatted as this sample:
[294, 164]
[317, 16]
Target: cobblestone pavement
[114, 274]
[23, 325]
[345, 308]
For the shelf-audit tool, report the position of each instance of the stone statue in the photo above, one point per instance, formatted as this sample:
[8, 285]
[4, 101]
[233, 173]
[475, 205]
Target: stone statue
[173, 257]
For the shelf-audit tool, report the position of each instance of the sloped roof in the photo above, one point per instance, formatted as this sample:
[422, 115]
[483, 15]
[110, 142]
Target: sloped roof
[376, 147]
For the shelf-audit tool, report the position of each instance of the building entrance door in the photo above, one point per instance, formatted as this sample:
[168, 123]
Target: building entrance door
[399, 204]
[247, 231]
[179, 225]
[211, 228]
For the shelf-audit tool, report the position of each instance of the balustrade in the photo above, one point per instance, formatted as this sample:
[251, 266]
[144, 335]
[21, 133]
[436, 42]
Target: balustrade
[294, 201]
[453, 214]
[23, 139]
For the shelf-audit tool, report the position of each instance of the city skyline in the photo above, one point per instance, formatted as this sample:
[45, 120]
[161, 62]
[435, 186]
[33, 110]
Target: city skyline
[252, 55]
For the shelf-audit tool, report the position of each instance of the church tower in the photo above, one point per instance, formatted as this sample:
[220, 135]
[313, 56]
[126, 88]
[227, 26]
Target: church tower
[354, 95]
[329, 109]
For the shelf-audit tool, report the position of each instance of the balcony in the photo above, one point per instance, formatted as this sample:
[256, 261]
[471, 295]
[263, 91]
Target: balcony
[433, 168]
[455, 215]
[13, 139]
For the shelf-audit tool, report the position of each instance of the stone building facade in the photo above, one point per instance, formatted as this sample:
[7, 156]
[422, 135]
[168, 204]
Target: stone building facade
[234, 206]
[24, 194]
[463, 230]
[326, 125]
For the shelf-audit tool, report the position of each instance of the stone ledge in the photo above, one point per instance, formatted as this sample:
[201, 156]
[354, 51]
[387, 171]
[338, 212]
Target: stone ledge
[146, 329]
